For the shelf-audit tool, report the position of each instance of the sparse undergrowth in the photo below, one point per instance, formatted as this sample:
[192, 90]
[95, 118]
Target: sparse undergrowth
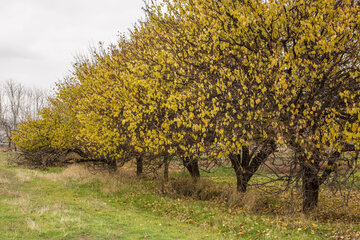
[73, 203]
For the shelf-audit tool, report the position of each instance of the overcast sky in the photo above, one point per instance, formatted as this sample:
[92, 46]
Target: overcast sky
[40, 38]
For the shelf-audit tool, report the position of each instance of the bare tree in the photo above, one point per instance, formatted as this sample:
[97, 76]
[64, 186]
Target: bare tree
[18, 103]
[15, 95]
[34, 100]
[2, 116]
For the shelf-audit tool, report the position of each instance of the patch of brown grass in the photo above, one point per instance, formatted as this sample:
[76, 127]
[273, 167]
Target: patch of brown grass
[31, 224]
[23, 176]
[4, 180]
[77, 171]
[72, 171]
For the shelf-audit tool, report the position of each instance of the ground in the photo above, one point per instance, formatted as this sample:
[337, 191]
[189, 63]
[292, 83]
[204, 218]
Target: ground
[74, 203]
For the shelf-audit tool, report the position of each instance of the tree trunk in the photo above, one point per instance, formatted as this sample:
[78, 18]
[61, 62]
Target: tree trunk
[112, 166]
[241, 182]
[166, 168]
[239, 162]
[192, 166]
[245, 166]
[139, 165]
[310, 188]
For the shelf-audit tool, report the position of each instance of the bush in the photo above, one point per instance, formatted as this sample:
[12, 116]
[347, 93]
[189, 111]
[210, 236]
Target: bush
[41, 159]
[201, 189]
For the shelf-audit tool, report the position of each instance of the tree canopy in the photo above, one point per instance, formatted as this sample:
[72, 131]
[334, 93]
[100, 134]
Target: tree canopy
[218, 79]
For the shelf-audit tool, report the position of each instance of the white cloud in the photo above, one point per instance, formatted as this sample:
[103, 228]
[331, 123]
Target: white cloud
[39, 38]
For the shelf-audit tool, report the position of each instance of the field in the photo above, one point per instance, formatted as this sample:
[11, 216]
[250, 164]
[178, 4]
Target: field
[74, 203]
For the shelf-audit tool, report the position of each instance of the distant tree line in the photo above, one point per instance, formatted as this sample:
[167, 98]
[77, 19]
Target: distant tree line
[18, 103]
[201, 82]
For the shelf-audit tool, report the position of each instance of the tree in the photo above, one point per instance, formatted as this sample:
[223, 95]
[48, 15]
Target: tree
[34, 101]
[12, 101]
[319, 92]
[306, 57]
[287, 75]
[103, 86]
[3, 125]
[220, 108]
[223, 79]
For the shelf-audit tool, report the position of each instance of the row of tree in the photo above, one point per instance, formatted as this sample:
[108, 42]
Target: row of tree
[205, 80]
[18, 103]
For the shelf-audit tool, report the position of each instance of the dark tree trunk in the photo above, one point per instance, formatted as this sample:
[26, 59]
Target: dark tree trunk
[166, 168]
[245, 165]
[239, 163]
[139, 165]
[112, 166]
[192, 166]
[310, 188]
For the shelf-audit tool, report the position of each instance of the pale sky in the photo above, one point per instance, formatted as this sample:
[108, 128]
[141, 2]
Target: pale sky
[40, 38]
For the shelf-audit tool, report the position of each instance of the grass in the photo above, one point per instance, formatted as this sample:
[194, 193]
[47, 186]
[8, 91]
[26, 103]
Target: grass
[73, 203]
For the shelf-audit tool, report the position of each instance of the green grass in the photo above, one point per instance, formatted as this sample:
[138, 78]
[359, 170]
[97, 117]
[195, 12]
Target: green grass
[73, 203]
[37, 205]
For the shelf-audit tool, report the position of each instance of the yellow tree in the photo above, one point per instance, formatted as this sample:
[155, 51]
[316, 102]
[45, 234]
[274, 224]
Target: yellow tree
[318, 94]
[299, 61]
[284, 71]
[225, 79]
[219, 107]
[104, 92]
[45, 140]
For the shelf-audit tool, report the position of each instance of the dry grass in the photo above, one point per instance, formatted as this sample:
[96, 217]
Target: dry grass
[253, 201]
[24, 176]
[5, 149]
[77, 171]
[72, 171]
[110, 182]
[281, 210]
[4, 180]
[32, 225]
[332, 206]
[21, 200]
